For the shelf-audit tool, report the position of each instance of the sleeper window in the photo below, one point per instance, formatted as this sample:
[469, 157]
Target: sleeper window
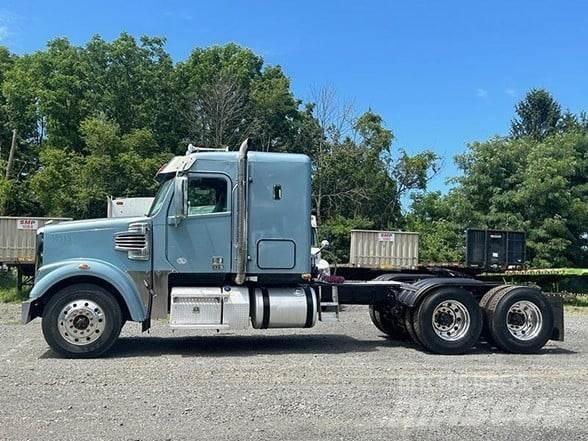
[207, 195]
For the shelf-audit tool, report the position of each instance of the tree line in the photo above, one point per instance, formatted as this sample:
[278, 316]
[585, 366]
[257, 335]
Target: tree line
[100, 119]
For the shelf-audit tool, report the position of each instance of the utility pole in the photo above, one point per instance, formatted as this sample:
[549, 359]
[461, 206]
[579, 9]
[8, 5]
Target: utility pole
[11, 155]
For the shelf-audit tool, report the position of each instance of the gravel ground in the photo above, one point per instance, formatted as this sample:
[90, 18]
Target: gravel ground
[336, 381]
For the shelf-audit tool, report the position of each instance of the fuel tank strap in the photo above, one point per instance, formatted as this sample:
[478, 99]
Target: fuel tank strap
[309, 307]
[266, 308]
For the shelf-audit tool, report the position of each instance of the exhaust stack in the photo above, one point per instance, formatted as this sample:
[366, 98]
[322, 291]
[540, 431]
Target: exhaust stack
[242, 216]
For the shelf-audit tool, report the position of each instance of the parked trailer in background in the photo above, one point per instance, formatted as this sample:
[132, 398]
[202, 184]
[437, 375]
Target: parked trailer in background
[18, 243]
[128, 207]
[377, 253]
[495, 249]
[384, 249]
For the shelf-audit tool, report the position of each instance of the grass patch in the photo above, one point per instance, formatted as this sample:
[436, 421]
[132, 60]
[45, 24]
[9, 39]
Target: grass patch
[8, 288]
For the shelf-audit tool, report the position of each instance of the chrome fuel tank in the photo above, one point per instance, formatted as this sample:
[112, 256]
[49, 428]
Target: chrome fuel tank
[294, 307]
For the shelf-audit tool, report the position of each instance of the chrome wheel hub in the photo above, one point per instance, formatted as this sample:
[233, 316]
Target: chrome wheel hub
[451, 320]
[81, 322]
[524, 320]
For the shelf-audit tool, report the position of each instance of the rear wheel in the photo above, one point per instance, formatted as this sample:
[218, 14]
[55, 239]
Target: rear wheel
[520, 319]
[376, 320]
[81, 321]
[409, 326]
[484, 303]
[385, 318]
[490, 294]
[448, 321]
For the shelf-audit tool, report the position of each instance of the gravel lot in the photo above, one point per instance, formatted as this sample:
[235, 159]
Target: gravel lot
[336, 381]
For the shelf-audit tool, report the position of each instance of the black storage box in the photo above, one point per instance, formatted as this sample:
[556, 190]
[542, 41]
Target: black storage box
[495, 249]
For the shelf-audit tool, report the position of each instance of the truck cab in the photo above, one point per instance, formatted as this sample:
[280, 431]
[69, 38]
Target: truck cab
[193, 244]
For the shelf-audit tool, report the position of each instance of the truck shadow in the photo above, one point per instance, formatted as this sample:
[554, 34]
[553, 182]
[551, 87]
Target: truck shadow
[275, 345]
[244, 345]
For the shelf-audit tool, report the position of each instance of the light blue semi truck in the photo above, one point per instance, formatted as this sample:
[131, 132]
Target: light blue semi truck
[226, 245]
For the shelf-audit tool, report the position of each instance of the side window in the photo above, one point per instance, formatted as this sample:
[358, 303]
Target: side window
[207, 195]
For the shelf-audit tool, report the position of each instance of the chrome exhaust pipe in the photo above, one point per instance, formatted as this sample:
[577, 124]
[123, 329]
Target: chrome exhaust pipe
[242, 217]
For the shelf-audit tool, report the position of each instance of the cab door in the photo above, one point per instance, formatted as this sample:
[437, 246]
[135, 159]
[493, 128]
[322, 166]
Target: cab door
[201, 242]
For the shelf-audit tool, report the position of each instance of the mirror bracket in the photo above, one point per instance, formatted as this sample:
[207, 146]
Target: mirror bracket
[180, 198]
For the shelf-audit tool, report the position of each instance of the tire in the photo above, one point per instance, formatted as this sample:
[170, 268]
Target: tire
[375, 316]
[448, 321]
[483, 304]
[520, 320]
[386, 321]
[409, 326]
[488, 296]
[82, 321]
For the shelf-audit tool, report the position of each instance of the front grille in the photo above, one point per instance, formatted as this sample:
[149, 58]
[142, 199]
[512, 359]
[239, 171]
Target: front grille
[135, 241]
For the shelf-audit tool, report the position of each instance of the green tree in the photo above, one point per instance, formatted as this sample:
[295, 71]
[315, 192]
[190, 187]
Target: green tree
[436, 218]
[538, 116]
[338, 231]
[6, 62]
[55, 184]
[230, 95]
[133, 84]
[102, 136]
[538, 186]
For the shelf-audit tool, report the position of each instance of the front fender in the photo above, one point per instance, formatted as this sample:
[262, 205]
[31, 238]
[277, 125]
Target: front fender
[49, 275]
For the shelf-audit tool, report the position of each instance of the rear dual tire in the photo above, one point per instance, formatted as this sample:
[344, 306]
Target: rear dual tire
[448, 321]
[386, 321]
[519, 319]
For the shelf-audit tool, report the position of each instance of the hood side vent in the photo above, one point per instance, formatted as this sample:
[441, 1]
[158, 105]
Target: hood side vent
[135, 241]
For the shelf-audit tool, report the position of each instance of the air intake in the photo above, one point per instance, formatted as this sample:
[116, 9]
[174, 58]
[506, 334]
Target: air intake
[135, 241]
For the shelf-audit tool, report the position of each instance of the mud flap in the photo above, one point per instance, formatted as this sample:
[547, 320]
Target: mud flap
[556, 302]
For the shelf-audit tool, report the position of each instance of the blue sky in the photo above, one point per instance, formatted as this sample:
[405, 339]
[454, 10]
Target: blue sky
[441, 73]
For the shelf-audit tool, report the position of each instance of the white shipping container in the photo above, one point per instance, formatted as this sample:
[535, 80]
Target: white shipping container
[18, 238]
[384, 249]
[128, 207]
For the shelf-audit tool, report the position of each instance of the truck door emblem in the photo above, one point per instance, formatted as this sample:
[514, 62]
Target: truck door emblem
[181, 261]
[218, 263]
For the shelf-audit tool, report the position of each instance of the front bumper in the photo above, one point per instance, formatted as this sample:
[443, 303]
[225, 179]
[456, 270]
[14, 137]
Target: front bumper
[30, 309]
[25, 315]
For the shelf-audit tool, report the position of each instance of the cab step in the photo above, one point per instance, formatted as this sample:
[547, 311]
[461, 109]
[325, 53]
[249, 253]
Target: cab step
[329, 309]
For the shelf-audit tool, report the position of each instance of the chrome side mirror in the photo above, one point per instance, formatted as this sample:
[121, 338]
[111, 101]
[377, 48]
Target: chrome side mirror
[180, 199]
[324, 245]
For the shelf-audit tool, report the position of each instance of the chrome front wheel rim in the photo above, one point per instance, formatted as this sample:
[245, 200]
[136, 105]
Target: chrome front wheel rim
[451, 320]
[81, 322]
[524, 320]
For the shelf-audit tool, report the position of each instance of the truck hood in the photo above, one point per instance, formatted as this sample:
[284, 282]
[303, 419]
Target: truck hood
[90, 225]
[93, 238]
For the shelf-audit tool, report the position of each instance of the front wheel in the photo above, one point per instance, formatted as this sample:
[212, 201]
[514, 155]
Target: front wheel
[82, 321]
[448, 321]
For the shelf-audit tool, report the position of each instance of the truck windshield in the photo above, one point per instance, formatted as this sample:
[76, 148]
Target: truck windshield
[159, 197]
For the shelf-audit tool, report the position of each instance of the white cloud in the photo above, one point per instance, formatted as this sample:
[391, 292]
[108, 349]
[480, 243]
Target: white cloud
[510, 92]
[481, 93]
